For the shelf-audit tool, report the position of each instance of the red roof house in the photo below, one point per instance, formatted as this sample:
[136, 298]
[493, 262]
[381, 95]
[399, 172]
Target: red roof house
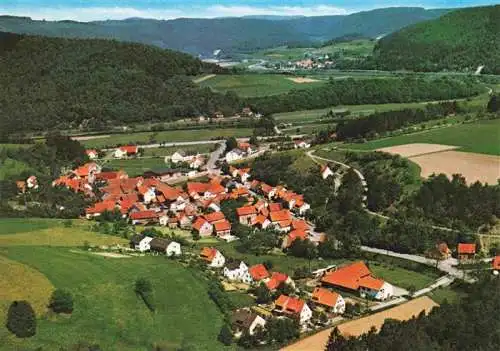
[258, 272]
[466, 251]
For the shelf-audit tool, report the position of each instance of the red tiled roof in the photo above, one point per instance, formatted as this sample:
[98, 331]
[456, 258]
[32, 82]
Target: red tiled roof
[300, 224]
[149, 214]
[279, 216]
[208, 253]
[258, 272]
[274, 207]
[129, 149]
[84, 170]
[290, 304]
[347, 276]
[107, 175]
[91, 151]
[496, 263]
[294, 235]
[195, 187]
[370, 282]
[200, 221]
[100, 207]
[266, 188]
[325, 297]
[466, 248]
[276, 279]
[216, 188]
[222, 226]
[246, 210]
[214, 217]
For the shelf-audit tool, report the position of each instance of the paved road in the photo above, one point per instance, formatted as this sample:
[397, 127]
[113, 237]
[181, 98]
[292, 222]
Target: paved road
[179, 143]
[214, 156]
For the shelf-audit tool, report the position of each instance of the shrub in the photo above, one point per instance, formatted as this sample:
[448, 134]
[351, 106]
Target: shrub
[21, 319]
[225, 335]
[61, 301]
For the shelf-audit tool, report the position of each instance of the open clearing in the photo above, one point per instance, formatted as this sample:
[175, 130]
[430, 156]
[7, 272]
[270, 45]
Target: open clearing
[204, 78]
[416, 149]
[301, 80]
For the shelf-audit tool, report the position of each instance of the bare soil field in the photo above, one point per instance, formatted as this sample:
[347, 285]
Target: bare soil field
[302, 80]
[409, 150]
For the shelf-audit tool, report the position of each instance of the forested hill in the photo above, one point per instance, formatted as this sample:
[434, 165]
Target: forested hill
[460, 40]
[203, 36]
[51, 82]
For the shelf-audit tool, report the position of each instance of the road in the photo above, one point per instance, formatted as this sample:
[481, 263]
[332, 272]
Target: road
[214, 156]
[179, 143]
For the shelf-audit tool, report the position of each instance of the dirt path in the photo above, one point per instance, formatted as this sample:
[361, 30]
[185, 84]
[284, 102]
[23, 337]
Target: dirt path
[204, 78]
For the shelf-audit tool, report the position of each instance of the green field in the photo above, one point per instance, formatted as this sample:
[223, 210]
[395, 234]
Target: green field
[401, 277]
[170, 136]
[481, 137]
[253, 85]
[23, 225]
[136, 166]
[167, 151]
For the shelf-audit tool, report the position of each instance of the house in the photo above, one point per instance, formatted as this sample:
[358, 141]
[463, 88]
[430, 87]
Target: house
[258, 272]
[466, 252]
[218, 114]
[326, 172]
[126, 151]
[261, 221]
[495, 264]
[203, 227]
[185, 222]
[292, 236]
[246, 214]
[144, 217]
[237, 270]
[92, 154]
[293, 307]
[99, 207]
[178, 156]
[168, 247]
[357, 277]
[274, 207]
[213, 257]
[234, 155]
[301, 144]
[222, 228]
[32, 182]
[282, 220]
[440, 252]
[277, 279]
[246, 112]
[87, 172]
[328, 299]
[140, 242]
[244, 320]
[214, 217]
[247, 147]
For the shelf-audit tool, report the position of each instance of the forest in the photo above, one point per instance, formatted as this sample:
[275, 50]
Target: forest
[472, 324]
[53, 83]
[368, 91]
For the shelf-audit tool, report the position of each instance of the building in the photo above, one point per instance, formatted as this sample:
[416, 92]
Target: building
[234, 155]
[92, 154]
[222, 228]
[126, 151]
[294, 308]
[246, 214]
[495, 264]
[178, 156]
[203, 227]
[244, 320]
[328, 299]
[237, 271]
[144, 217]
[357, 277]
[140, 242]
[278, 279]
[326, 172]
[258, 272]
[99, 207]
[466, 252]
[164, 246]
[214, 217]
[213, 257]
[292, 236]
[301, 144]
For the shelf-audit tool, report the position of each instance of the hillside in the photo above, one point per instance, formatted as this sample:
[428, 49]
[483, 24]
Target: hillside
[460, 40]
[51, 82]
[203, 36]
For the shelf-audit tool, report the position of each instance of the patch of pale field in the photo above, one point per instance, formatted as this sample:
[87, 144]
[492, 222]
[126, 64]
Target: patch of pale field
[474, 167]
[409, 150]
[302, 80]
[90, 137]
[204, 78]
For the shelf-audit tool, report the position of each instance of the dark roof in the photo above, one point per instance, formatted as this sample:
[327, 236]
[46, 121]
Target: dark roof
[136, 239]
[159, 244]
[233, 264]
[242, 319]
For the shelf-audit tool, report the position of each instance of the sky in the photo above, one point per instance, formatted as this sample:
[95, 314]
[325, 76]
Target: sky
[90, 10]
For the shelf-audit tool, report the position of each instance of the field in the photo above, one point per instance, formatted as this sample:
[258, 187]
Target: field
[136, 166]
[481, 137]
[167, 151]
[253, 85]
[107, 311]
[401, 277]
[170, 136]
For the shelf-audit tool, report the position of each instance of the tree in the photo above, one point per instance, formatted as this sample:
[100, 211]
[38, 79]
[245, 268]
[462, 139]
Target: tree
[263, 294]
[144, 289]
[225, 335]
[254, 140]
[492, 104]
[21, 319]
[231, 143]
[61, 301]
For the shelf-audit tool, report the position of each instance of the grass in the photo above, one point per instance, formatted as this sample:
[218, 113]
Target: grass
[12, 168]
[401, 277]
[108, 312]
[167, 151]
[254, 85]
[449, 294]
[481, 137]
[170, 136]
[22, 225]
[240, 299]
[137, 166]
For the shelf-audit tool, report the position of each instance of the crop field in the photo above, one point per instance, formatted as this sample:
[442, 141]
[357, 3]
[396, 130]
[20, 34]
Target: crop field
[401, 277]
[254, 85]
[480, 137]
[170, 136]
[136, 166]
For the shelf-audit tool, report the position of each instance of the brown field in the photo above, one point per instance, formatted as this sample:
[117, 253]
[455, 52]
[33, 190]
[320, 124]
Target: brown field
[435, 159]
[301, 80]
[361, 326]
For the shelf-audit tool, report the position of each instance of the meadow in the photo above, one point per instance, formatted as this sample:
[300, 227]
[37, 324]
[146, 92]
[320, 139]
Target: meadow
[170, 150]
[136, 166]
[255, 85]
[480, 137]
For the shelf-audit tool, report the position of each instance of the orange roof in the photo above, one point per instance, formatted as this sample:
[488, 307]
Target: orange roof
[466, 248]
[240, 191]
[290, 304]
[100, 207]
[370, 282]
[325, 297]
[214, 217]
[129, 149]
[276, 279]
[200, 221]
[258, 272]
[260, 219]
[246, 210]
[266, 188]
[208, 253]
[196, 187]
[347, 276]
[243, 145]
[496, 263]
[91, 151]
[149, 214]
[284, 224]
[274, 207]
[296, 234]
[222, 226]
[84, 170]
[283, 215]
[300, 224]
[216, 188]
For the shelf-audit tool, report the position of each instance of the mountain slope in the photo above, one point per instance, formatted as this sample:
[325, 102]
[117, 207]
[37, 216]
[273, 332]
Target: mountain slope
[460, 40]
[62, 83]
[203, 36]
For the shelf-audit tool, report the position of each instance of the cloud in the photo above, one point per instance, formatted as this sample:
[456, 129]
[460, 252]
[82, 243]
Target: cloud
[85, 14]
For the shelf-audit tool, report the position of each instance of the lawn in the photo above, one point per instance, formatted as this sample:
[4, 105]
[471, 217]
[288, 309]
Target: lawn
[21, 225]
[449, 294]
[189, 149]
[481, 137]
[137, 166]
[253, 85]
[170, 136]
[12, 168]
[401, 277]
[109, 313]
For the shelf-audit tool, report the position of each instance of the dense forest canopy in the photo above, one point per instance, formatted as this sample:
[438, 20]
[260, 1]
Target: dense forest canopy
[61, 83]
[460, 40]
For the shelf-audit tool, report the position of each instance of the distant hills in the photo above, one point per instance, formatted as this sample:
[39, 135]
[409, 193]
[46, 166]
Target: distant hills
[65, 83]
[203, 36]
[460, 40]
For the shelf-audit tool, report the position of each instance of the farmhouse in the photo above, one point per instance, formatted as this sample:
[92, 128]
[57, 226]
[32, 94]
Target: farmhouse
[328, 299]
[126, 151]
[277, 279]
[293, 307]
[301, 144]
[292, 236]
[222, 228]
[99, 207]
[246, 214]
[466, 252]
[213, 257]
[203, 227]
[244, 320]
[164, 246]
[140, 242]
[144, 217]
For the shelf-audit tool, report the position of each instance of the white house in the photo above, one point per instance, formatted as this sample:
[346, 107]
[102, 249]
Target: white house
[329, 300]
[245, 320]
[304, 208]
[168, 247]
[377, 289]
[326, 172]
[301, 144]
[32, 182]
[237, 270]
[213, 257]
[141, 243]
[149, 195]
[124, 151]
[92, 154]
[234, 155]
[178, 156]
[293, 307]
